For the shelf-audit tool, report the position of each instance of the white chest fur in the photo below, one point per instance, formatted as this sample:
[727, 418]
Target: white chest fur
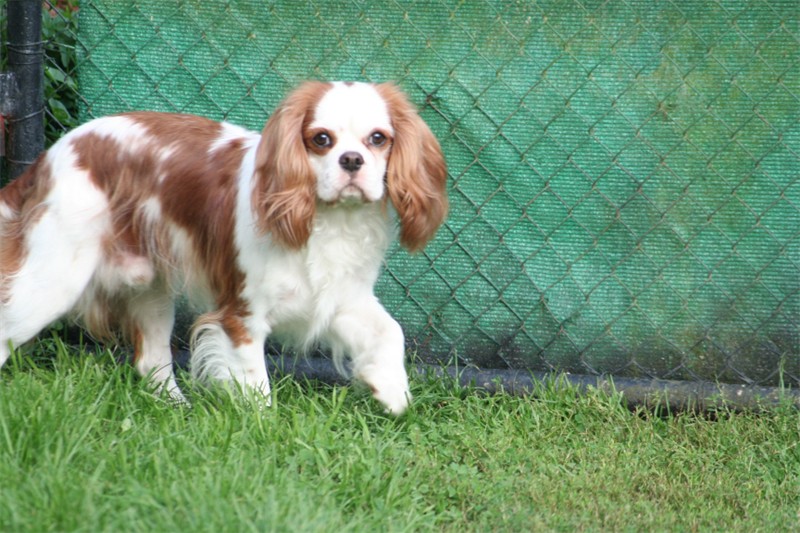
[297, 292]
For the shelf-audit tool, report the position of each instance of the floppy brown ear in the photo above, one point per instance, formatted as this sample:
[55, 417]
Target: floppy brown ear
[417, 173]
[284, 198]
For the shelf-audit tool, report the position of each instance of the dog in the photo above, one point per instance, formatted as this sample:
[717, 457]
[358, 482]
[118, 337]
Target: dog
[279, 235]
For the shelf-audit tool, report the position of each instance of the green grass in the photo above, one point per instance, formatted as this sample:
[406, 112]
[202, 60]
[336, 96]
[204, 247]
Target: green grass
[84, 447]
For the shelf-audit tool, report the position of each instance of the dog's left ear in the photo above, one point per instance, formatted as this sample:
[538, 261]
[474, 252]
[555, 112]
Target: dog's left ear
[285, 196]
[416, 176]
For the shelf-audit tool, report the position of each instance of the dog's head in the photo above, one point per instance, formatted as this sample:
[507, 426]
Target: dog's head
[348, 144]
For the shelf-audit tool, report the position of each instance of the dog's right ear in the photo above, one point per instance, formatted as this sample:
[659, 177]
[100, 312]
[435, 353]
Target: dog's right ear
[285, 194]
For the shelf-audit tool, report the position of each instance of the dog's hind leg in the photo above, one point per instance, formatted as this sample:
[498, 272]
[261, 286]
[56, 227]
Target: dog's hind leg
[151, 316]
[56, 268]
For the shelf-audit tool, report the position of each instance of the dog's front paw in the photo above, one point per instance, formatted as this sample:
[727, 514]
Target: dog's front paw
[389, 388]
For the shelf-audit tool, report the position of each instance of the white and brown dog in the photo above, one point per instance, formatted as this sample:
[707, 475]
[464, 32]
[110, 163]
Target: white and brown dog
[282, 233]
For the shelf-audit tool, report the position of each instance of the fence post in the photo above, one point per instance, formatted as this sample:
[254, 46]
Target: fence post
[25, 63]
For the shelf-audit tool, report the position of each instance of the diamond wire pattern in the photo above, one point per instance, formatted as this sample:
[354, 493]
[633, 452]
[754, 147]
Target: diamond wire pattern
[625, 176]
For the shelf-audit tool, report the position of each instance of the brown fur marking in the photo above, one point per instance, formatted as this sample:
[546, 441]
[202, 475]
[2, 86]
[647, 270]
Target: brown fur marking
[417, 173]
[285, 196]
[196, 190]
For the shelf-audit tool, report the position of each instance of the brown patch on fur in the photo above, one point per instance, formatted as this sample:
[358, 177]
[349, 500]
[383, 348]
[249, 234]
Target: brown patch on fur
[199, 194]
[417, 173]
[230, 321]
[127, 178]
[285, 194]
[235, 329]
[137, 339]
[196, 189]
[35, 178]
[24, 198]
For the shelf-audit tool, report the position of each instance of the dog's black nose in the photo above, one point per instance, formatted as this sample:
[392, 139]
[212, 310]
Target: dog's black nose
[351, 161]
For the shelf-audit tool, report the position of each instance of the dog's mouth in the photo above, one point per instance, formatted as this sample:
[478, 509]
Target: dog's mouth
[350, 195]
[352, 192]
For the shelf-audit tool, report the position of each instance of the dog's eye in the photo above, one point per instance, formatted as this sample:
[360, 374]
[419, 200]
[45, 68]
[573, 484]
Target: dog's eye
[377, 139]
[322, 140]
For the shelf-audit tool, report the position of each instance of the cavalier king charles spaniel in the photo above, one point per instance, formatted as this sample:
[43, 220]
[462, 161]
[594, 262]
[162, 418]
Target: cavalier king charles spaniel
[281, 234]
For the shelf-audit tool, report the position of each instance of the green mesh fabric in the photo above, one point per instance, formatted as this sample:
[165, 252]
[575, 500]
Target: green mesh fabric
[624, 176]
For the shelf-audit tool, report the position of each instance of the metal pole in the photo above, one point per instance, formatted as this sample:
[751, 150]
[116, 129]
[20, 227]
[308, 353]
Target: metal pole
[25, 57]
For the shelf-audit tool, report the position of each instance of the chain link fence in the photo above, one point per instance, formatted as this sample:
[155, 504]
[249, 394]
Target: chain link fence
[625, 176]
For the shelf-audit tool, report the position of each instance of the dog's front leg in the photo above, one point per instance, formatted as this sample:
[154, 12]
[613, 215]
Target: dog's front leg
[374, 340]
